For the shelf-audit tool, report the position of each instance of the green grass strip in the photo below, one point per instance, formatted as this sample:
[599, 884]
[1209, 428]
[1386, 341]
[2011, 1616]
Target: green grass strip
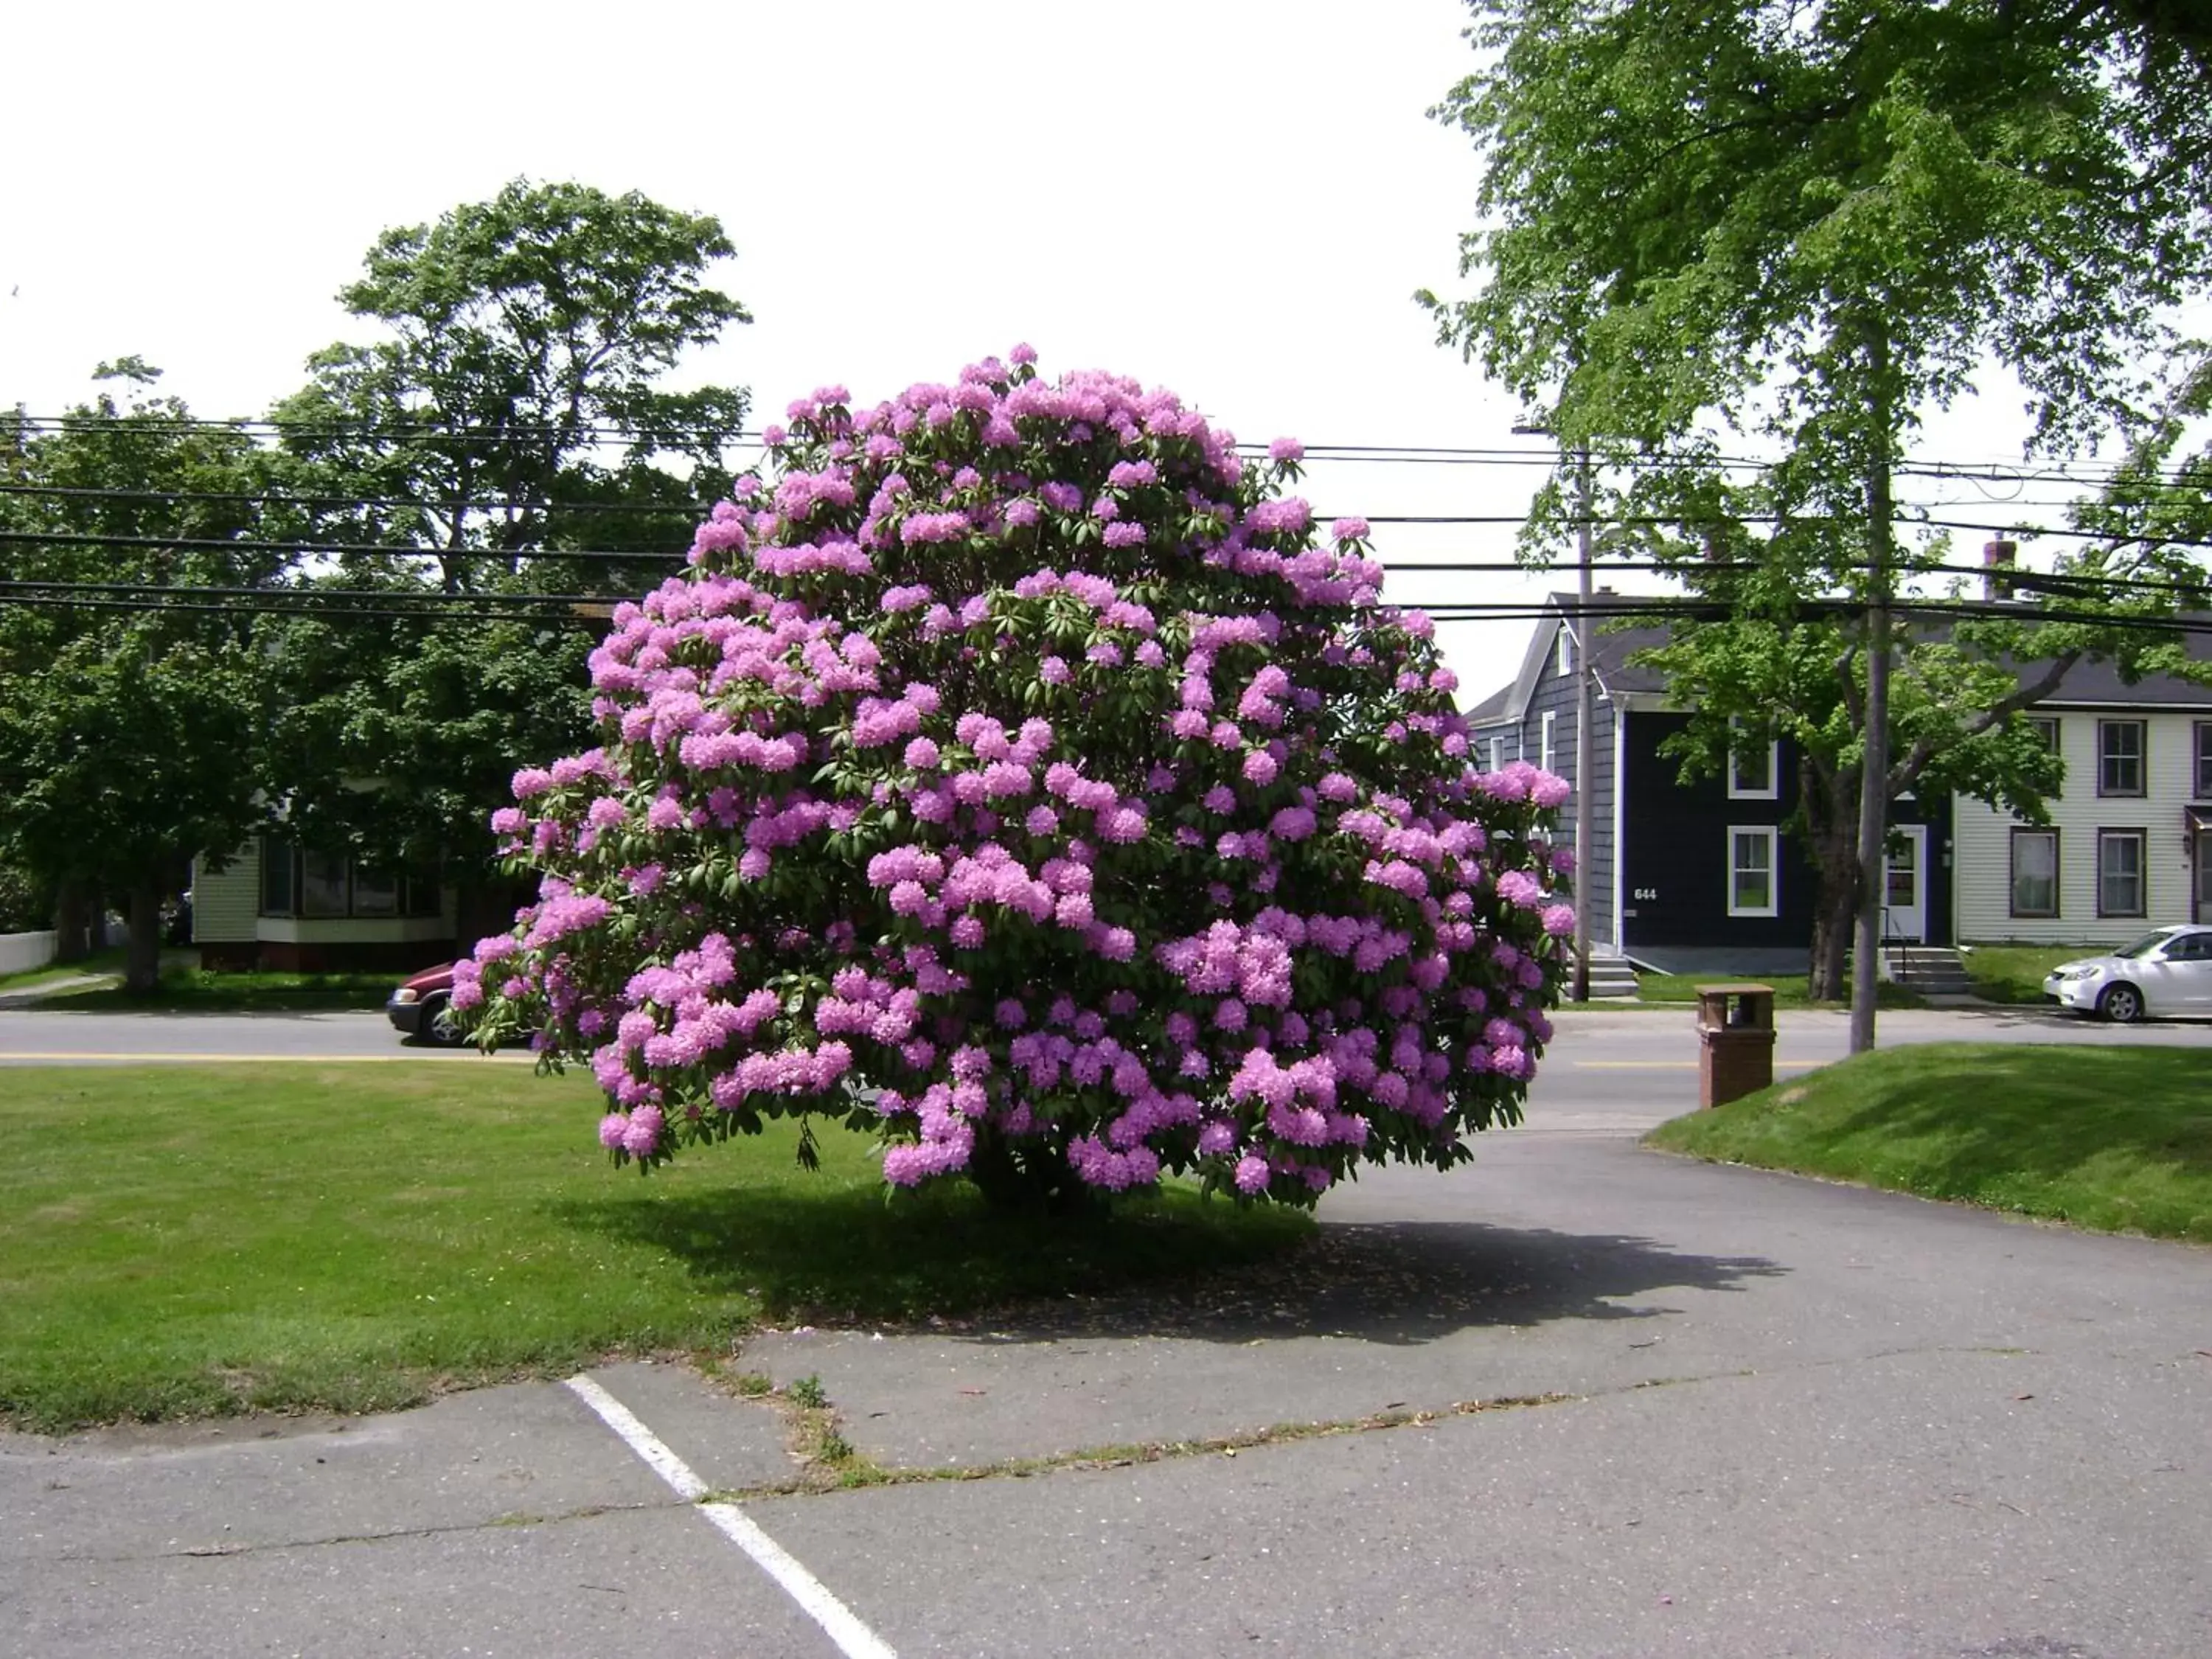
[2112, 1139]
[199, 989]
[183, 1240]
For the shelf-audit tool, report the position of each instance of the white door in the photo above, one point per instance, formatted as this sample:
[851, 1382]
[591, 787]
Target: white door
[1905, 893]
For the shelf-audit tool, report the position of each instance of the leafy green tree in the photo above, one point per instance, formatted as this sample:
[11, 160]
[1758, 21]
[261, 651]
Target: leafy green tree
[508, 434]
[1814, 226]
[132, 710]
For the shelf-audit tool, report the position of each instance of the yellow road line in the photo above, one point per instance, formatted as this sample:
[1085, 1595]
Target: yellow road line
[1679, 1065]
[72, 1056]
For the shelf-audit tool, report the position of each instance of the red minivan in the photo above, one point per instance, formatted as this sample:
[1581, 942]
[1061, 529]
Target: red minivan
[423, 1008]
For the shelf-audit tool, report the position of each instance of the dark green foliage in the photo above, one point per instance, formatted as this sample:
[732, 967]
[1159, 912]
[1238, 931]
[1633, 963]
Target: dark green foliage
[1705, 219]
[130, 740]
[512, 414]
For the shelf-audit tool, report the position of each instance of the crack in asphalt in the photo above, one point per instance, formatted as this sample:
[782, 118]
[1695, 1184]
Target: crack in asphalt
[495, 1523]
[860, 1472]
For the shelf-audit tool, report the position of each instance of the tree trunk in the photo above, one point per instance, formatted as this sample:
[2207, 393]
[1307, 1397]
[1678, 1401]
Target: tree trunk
[74, 915]
[1028, 1177]
[141, 958]
[1834, 911]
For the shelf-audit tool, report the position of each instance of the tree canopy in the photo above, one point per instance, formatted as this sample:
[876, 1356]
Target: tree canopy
[131, 724]
[1814, 226]
[510, 433]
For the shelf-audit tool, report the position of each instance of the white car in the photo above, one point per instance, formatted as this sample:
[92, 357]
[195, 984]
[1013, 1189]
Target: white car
[2167, 973]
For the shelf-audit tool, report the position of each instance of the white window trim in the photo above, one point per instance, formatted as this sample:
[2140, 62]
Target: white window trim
[1563, 660]
[1772, 835]
[1497, 754]
[1546, 729]
[1773, 790]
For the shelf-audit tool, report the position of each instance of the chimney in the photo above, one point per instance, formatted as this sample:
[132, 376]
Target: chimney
[1998, 557]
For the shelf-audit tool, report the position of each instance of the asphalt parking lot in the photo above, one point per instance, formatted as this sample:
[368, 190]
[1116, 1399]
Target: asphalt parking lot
[1635, 1405]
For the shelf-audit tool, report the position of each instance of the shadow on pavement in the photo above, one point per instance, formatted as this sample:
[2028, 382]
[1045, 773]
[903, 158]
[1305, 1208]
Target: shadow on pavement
[1402, 1282]
[843, 1259]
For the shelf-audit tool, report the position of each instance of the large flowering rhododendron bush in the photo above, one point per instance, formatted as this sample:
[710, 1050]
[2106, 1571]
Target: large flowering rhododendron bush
[1018, 775]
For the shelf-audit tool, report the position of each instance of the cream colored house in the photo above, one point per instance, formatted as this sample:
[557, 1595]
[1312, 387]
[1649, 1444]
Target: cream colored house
[2130, 842]
[278, 905]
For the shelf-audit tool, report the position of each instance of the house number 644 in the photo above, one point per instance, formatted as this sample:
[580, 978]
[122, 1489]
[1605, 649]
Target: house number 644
[1642, 893]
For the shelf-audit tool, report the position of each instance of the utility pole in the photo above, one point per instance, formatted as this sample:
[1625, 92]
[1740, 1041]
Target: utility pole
[1585, 718]
[1585, 714]
[1874, 776]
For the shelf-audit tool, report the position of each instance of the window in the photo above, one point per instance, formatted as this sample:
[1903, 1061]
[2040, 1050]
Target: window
[328, 886]
[2120, 759]
[2046, 727]
[2120, 873]
[1544, 749]
[1752, 884]
[375, 893]
[2035, 872]
[1754, 768]
[322, 883]
[2203, 768]
[276, 878]
[1565, 661]
[1497, 754]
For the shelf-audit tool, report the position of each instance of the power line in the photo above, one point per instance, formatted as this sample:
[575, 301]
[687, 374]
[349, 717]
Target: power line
[306, 595]
[246, 544]
[285, 499]
[241, 545]
[1410, 454]
[336, 613]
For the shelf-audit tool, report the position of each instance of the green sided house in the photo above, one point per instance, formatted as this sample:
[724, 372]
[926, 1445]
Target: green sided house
[278, 905]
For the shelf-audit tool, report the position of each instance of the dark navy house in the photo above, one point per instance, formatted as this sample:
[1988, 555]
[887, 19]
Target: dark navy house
[1686, 878]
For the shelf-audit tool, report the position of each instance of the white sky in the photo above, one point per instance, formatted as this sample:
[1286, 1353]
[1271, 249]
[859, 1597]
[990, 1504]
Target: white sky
[1234, 198]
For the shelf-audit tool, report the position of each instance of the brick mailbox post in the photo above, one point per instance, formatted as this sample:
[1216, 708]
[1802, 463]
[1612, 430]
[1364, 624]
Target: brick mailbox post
[1735, 1041]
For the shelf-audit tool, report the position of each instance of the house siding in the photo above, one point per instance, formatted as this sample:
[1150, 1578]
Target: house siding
[226, 903]
[1983, 860]
[1554, 693]
[1676, 867]
[231, 932]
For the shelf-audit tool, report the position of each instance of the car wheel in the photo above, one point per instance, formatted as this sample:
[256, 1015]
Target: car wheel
[2121, 1004]
[441, 1026]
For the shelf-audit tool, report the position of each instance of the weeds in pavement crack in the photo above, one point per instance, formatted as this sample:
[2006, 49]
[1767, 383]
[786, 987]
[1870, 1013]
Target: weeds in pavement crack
[854, 1471]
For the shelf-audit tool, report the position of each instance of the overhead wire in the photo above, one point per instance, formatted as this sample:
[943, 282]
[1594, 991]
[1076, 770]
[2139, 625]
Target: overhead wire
[609, 433]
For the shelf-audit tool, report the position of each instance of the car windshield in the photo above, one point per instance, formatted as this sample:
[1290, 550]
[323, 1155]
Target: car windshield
[2146, 945]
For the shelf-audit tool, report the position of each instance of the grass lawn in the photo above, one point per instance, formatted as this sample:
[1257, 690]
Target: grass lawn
[2118, 1140]
[188, 1241]
[213, 992]
[1790, 990]
[2014, 974]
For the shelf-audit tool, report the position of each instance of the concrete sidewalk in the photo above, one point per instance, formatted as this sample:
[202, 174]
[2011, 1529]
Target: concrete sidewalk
[31, 996]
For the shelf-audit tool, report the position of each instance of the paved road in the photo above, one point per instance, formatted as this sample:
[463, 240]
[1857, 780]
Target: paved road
[48, 1036]
[1641, 1056]
[1724, 1412]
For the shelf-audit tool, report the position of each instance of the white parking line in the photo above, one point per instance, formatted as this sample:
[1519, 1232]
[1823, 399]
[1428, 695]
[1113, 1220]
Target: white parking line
[853, 1639]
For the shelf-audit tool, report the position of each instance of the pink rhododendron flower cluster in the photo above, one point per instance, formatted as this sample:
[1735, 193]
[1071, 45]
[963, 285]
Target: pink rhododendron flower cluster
[1019, 774]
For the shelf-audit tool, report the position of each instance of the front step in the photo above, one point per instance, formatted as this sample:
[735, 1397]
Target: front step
[1930, 969]
[1609, 977]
